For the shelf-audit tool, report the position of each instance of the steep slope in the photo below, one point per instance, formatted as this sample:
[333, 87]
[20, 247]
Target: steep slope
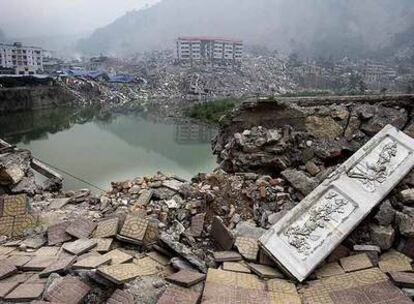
[318, 27]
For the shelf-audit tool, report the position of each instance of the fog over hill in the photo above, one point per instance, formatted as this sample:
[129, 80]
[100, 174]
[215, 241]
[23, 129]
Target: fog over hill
[311, 27]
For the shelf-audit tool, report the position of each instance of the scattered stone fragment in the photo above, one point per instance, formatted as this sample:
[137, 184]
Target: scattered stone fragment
[145, 197]
[152, 234]
[392, 261]
[248, 247]
[120, 297]
[158, 257]
[300, 181]
[176, 294]
[33, 242]
[69, 290]
[312, 168]
[356, 262]
[383, 236]
[197, 224]
[183, 251]
[407, 247]
[6, 269]
[120, 273]
[365, 248]
[117, 256]
[265, 272]
[133, 229]
[339, 252]
[39, 263]
[405, 224]
[227, 256]
[61, 265]
[329, 270]
[407, 196]
[57, 233]
[58, 203]
[248, 229]
[47, 250]
[221, 234]
[236, 267]
[172, 184]
[386, 214]
[92, 262]
[81, 228]
[103, 245]
[186, 278]
[402, 279]
[79, 246]
[107, 228]
[25, 292]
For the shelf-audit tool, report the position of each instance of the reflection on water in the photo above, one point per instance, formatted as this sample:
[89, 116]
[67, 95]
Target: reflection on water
[103, 148]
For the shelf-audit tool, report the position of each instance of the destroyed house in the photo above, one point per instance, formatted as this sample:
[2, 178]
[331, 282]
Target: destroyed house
[207, 49]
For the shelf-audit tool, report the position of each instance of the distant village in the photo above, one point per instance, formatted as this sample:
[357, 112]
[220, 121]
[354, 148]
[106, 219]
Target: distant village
[203, 54]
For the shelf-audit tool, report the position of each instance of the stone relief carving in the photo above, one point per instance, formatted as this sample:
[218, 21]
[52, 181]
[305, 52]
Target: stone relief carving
[373, 173]
[302, 235]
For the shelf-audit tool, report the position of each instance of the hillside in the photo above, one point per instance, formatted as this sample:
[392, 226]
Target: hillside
[329, 27]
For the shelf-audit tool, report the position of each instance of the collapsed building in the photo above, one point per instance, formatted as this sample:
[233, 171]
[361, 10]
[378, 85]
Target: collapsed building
[163, 239]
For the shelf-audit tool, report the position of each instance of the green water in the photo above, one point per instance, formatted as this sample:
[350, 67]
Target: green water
[111, 148]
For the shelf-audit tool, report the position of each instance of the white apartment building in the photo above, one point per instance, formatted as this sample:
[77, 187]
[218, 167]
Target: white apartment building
[207, 49]
[19, 59]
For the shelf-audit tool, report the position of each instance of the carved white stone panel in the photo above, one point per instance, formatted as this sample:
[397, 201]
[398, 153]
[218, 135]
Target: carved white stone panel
[303, 238]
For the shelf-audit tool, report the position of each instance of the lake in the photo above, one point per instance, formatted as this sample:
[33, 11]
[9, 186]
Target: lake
[104, 148]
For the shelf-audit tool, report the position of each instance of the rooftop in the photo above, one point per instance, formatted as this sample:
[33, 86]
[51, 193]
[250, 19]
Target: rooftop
[224, 39]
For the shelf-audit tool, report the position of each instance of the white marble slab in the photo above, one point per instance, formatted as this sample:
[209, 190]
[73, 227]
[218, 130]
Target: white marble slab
[306, 235]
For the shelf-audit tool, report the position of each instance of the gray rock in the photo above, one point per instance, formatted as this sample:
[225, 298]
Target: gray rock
[405, 224]
[248, 230]
[407, 196]
[385, 214]
[300, 181]
[383, 236]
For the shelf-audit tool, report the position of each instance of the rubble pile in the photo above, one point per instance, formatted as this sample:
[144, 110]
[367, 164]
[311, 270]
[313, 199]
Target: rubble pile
[163, 239]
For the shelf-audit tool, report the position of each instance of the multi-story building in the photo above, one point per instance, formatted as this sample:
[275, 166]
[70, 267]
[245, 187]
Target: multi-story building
[21, 60]
[214, 50]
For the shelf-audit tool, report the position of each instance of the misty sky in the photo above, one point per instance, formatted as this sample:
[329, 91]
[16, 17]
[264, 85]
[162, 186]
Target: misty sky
[23, 18]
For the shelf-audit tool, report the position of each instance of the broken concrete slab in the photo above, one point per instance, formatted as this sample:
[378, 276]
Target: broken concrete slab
[172, 184]
[197, 224]
[248, 247]
[265, 272]
[7, 287]
[120, 273]
[57, 233]
[364, 286]
[6, 269]
[117, 256]
[186, 278]
[176, 294]
[402, 279]
[25, 292]
[133, 229]
[61, 265]
[79, 246]
[39, 263]
[107, 228]
[308, 233]
[356, 262]
[69, 290]
[227, 256]
[236, 267]
[19, 260]
[158, 257]
[121, 297]
[329, 270]
[394, 261]
[58, 203]
[81, 228]
[221, 234]
[92, 262]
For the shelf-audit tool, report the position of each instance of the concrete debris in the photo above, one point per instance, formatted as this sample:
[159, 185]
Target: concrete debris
[140, 239]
